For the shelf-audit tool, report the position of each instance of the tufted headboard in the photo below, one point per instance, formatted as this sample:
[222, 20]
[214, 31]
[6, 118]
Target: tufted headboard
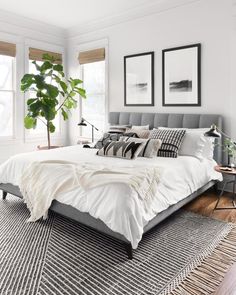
[155, 120]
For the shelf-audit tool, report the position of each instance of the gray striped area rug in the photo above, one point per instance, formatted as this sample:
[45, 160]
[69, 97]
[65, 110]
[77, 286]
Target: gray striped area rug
[59, 256]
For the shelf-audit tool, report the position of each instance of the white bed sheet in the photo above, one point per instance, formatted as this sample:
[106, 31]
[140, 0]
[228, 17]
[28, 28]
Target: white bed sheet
[115, 204]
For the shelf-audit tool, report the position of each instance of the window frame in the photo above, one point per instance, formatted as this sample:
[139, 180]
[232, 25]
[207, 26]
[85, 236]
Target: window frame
[6, 138]
[90, 46]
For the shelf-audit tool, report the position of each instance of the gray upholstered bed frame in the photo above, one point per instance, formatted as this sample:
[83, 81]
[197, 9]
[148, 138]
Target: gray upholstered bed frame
[154, 120]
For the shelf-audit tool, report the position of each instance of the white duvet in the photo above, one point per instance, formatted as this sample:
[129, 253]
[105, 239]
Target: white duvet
[115, 204]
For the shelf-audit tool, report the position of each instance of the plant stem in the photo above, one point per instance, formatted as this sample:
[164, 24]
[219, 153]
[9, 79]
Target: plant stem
[48, 135]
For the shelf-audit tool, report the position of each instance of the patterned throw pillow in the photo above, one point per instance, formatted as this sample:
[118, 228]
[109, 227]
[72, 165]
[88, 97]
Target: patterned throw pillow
[108, 137]
[171, 141]
[121, 149]
[141, 133]
[150, 148]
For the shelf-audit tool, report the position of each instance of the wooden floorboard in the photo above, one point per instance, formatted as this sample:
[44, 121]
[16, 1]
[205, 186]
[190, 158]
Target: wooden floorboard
[204, 205]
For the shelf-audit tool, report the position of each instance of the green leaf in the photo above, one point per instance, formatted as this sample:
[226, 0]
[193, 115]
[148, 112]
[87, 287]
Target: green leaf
[63, 86]
[30, 122]
[27, 81]
[52, 128]
[56, 78]
[37, 66]
[77, 81]
[46, 66]
[52, 91]
[58, 68]
[49, 113]
[82, 92]
[35, 108]
[31, 100]
[48, 57]
[39, 80]
[64, 114]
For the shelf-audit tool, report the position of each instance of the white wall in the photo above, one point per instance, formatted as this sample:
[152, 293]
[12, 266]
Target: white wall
[25, 33]
[209, 22]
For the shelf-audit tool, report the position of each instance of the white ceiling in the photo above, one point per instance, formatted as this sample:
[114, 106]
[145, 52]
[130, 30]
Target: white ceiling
[71, 13]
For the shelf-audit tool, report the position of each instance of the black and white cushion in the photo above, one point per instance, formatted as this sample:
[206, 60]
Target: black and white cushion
[171, 141]
[108, 137]
[121, 149]
[150, 148]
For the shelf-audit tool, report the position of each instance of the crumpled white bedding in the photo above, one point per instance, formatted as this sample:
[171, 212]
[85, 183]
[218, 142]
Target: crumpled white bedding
[115, 204]
[43, 181]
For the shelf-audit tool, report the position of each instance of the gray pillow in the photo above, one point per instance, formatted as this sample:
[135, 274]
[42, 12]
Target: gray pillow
[150, 148]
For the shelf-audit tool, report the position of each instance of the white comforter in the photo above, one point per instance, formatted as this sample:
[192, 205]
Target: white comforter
[115, 204]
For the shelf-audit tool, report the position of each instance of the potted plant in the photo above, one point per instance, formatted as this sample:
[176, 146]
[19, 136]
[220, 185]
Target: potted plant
[230, 147]
[52, 94]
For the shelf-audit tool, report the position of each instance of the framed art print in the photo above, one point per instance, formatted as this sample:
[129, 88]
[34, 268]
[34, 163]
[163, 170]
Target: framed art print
[139, 79]
[181, 74]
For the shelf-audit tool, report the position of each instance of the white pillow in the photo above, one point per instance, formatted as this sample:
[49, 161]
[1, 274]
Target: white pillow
[145, 127]
[195, 144]
[192, 145]
[208, 150]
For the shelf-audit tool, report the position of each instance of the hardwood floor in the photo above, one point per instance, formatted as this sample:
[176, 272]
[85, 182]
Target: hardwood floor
[204, 205]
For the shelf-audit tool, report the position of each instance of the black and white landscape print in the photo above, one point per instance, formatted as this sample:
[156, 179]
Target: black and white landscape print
[139, 79]
[181, 76]
[181, 86]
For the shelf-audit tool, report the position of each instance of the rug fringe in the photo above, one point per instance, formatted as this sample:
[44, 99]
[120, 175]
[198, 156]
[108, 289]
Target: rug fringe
[209, 273]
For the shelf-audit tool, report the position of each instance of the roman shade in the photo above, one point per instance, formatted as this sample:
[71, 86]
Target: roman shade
[8, 49]
[86, 57]
[37, 54]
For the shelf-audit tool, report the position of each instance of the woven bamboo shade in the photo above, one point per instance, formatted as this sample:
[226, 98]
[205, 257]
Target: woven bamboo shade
[7, 49]
[86, 57]
[37, 54]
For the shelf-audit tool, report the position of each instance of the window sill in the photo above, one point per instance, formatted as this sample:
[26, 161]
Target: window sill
[42, 138]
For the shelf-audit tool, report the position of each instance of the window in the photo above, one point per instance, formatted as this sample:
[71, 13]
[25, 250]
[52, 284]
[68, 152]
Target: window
[7, 92]
[93, 108]
[36, 54]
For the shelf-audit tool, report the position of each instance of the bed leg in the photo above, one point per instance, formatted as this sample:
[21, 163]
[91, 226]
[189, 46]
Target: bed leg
[4, 195]
[129, 250]
[215, 187]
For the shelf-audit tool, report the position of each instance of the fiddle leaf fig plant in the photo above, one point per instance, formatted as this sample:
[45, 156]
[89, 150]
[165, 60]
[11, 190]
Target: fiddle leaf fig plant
[230, 147]
[51, 94]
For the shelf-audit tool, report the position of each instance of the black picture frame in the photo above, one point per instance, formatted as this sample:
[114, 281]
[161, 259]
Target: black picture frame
[150, 100]
[196, 99]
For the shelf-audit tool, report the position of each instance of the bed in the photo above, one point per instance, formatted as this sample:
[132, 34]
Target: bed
[89, 210]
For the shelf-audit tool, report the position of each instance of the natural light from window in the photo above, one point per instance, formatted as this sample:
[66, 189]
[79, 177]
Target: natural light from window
[6, 95]
[94, 106]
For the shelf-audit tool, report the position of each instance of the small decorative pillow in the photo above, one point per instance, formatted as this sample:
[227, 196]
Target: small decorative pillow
[141, 133]
[107, 137]
[121, 149]
[171, 141]
[150, 148]
[144, 127]
[118, 128]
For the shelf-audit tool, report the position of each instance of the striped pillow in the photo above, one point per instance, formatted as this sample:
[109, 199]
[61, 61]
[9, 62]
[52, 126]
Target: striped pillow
[121, 149]
[118, 128]
[150, 148]
[171, 141]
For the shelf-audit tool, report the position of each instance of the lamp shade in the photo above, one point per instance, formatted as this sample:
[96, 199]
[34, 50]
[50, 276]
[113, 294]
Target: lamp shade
[212, 132]
[82, 123]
